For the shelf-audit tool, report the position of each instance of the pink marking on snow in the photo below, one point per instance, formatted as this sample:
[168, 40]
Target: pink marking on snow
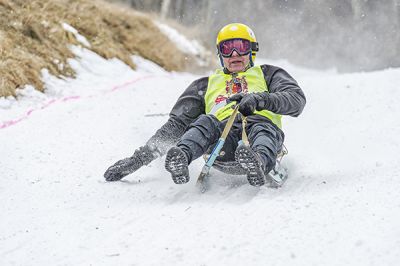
[48, 104]
[30, 112]
[68, 98]
[124, 85]
[9, 123]
[12, 122]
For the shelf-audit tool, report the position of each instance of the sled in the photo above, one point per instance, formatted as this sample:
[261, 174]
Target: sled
[275, 178]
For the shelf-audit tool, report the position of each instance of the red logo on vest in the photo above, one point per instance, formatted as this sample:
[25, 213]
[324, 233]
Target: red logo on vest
[233, 86]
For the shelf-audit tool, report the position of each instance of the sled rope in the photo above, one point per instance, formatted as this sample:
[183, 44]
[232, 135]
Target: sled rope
[245, 139]
[246, 142]
[214, 154]
[229, 124]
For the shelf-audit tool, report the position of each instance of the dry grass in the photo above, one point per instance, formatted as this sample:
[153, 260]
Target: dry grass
[32, 38]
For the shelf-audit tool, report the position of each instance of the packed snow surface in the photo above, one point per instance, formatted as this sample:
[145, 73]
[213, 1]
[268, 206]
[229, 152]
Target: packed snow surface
[340, 206]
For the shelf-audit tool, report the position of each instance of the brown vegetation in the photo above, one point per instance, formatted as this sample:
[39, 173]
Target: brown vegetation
[32, 38]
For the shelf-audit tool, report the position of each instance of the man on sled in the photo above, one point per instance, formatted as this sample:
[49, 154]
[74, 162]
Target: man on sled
[262, 94]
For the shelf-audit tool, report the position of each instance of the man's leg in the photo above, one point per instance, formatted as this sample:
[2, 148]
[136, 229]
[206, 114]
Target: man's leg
[266, 140]
[194, 143]
[260, 158]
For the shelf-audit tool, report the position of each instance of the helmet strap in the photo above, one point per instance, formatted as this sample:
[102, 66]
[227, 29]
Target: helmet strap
[251, 59]
[221, 60]
[226, 71]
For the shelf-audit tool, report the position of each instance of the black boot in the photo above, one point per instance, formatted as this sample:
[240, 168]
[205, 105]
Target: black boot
[251, 162]
[177, 164]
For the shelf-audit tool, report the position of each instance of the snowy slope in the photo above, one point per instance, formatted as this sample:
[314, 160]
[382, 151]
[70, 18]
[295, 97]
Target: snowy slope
[341, 205]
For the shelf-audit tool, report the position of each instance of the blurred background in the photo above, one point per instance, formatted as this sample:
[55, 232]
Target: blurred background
[349, 35]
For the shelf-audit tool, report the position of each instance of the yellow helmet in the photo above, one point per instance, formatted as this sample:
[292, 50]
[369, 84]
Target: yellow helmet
[238, 31]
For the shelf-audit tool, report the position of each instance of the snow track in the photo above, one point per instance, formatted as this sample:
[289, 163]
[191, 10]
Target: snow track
[341, 205]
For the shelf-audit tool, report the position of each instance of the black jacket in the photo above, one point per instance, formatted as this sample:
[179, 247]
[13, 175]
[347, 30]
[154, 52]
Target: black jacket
[285, 98]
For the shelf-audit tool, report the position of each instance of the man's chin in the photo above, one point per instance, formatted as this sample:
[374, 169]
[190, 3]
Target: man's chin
[236, 68]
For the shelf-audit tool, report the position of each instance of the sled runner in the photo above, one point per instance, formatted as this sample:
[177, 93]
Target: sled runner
[277, 176]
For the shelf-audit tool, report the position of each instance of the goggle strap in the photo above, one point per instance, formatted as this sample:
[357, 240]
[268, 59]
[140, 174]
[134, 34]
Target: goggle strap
[254, 46]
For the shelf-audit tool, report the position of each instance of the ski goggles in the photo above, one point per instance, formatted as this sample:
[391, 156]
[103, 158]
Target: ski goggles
[241, 46]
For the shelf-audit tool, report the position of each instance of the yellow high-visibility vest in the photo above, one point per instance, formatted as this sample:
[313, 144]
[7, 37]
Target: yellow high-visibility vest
[221, 86]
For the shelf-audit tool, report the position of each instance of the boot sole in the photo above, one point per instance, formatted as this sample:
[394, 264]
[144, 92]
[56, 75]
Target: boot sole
[248, 161]
[176, 163]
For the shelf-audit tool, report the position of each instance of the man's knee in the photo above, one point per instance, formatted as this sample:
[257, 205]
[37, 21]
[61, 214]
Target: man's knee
[208, 125]
[208, 120]
[199, 136]
[266, 134]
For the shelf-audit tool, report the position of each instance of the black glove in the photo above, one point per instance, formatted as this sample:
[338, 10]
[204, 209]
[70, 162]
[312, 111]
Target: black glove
[248, 102]
[143, 156]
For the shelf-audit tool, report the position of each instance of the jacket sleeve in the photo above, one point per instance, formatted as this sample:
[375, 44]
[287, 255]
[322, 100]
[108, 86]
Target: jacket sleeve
[285, 97]
[187, 108]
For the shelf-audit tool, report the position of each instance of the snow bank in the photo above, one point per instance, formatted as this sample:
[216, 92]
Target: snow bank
[187, 46]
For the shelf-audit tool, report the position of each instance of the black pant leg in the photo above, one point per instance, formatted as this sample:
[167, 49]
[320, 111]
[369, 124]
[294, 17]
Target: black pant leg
[267, 140]
[202, 133]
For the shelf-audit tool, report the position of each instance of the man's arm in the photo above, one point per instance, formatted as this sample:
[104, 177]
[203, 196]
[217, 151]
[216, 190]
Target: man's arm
[285, 97]
[187, 108]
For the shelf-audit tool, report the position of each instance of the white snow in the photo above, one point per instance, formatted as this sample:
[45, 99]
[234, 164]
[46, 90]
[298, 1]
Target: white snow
[192, 47]
[341, 205]
[80, 38]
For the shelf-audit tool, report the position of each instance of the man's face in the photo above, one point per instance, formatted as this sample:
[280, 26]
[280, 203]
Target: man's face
[236, 63]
